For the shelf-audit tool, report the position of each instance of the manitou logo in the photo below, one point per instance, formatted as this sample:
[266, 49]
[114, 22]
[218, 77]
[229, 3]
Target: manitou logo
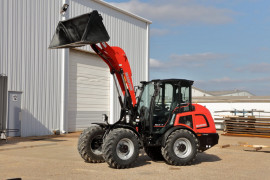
[129, 82]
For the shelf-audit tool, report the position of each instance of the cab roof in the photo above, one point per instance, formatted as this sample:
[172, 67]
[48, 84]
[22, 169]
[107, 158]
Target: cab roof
[174, 81]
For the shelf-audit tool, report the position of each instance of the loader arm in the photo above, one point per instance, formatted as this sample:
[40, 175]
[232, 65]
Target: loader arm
[88, 29]
[119, 66]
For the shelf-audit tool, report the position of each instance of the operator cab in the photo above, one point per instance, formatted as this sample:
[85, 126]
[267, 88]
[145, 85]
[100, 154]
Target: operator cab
[160, 100]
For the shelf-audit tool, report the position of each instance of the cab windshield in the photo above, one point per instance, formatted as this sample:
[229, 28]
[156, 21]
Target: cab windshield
[170, 97]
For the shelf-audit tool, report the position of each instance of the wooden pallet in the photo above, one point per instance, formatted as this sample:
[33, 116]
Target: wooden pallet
[247, 126]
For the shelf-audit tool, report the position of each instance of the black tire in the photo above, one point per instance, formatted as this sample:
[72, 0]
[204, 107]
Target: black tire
[154, 153]
[90, 144]
[181, 148]
[121, 148]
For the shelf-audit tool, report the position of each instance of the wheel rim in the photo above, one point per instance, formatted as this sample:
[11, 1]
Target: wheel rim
[125, 149]
[182, 148]
[96, 145]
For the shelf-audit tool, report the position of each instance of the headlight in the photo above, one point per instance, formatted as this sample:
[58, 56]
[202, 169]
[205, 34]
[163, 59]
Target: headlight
[127, 118]
[105, 118]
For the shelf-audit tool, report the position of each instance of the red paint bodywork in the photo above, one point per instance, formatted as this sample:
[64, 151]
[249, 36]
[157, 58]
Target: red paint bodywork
[116, 59]
[201, 118]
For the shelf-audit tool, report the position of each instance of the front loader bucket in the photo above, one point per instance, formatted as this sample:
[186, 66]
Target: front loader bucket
[79, 31]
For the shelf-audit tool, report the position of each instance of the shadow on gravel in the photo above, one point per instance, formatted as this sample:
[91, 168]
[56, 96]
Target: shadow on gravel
[203, 157]
[142, 161]
[15, 140]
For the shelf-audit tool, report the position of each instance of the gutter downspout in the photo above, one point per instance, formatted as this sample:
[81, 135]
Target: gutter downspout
[147, 51]
[64, 81]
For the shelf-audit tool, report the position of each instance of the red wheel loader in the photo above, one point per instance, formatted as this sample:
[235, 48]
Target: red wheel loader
[161, 119]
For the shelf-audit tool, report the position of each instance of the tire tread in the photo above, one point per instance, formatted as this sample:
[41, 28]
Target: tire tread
[170, 158]
[83, 145]
[107, 149]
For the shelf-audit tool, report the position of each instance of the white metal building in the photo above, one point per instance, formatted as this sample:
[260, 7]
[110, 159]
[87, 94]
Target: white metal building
[196, 92]
[220, 106]
[64, 89]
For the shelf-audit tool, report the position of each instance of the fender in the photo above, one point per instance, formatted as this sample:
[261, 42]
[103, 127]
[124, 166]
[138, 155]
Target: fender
[115, 126]
[108, 128]
[102, 125]
[167, 133]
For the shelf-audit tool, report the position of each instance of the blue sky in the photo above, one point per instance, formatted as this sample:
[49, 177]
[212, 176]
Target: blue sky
[220, 44]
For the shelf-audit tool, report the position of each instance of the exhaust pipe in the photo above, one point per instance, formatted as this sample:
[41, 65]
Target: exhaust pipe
[79, 31]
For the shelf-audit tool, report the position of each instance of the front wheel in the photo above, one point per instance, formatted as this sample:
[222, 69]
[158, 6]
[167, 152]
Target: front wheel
[90, 144]
[181, 148]
[120, 148]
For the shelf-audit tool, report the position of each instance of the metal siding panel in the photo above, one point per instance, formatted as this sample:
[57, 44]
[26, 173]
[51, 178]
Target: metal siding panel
[36, 71]
[89, 87]
[126, 32]
[30, 66]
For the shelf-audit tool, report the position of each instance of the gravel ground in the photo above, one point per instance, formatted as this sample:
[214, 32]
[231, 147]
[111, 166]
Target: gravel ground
[56, 157]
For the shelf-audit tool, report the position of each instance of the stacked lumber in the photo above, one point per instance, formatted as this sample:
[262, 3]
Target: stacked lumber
[250, 126]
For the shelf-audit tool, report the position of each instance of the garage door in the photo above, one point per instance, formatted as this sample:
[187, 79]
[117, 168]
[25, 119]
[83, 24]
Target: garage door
[89, 90]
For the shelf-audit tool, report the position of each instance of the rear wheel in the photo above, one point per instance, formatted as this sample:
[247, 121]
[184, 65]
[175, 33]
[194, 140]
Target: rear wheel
[181, 148]
[154, 153]
[121, 148]
[90, 144]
